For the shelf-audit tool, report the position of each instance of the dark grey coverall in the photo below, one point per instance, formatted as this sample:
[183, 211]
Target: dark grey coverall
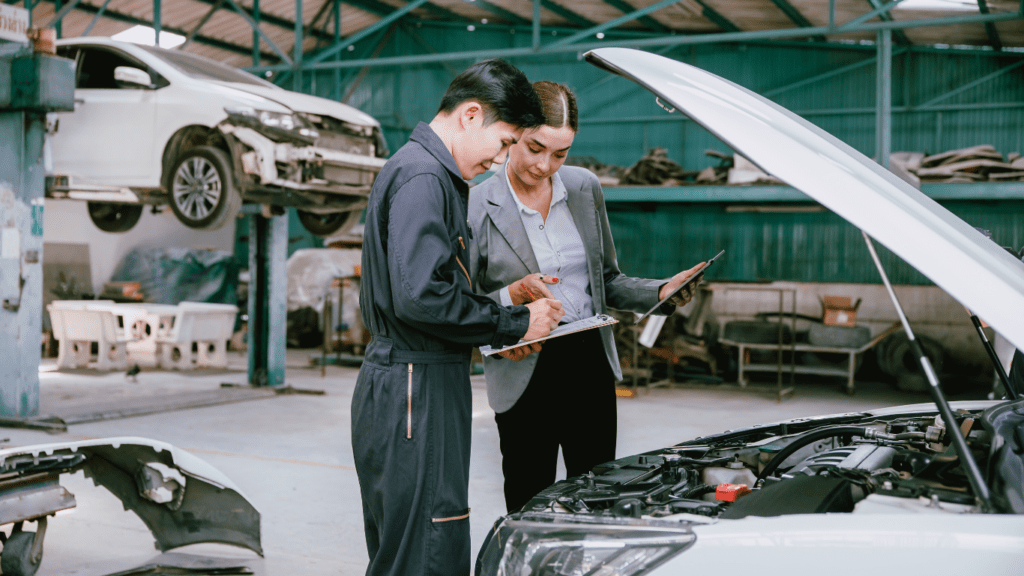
[412, 405]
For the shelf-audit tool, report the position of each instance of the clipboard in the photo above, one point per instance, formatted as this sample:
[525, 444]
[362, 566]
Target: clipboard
[570, 328]
[681, 286]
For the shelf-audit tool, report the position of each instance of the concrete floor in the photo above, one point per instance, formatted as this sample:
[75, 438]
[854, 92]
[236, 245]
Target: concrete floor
[291, 454]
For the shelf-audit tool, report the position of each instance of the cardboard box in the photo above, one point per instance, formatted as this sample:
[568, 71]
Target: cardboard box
[838, 311]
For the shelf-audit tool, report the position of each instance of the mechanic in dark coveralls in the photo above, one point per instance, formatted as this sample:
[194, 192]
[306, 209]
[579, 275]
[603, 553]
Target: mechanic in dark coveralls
[411, 409]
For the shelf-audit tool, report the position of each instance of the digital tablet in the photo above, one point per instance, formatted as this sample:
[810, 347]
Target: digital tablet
[681, 286]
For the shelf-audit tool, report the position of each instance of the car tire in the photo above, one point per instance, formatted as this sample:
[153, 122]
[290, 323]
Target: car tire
[328, 224]
[838, 336]
[896, 358]
[756, 332]
[16, 557]
[202, 188]
[113, 217]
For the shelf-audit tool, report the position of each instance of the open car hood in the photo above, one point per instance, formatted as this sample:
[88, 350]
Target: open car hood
[971, 268]
[181, 498]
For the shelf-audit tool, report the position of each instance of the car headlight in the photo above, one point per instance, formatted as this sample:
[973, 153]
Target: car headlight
[521, 548]
[280, 120]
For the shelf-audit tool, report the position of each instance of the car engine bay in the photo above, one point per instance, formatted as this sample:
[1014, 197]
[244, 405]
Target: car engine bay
[851, 464]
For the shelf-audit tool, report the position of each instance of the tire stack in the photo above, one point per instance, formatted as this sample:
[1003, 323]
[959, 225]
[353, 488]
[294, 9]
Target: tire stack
[836, 337]
[897, 359]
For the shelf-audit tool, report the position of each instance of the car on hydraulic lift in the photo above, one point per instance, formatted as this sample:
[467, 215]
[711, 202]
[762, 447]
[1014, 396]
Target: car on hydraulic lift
[156, 126]
[927, 488]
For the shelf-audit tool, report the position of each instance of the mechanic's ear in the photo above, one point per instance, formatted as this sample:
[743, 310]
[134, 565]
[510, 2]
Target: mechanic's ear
[470, 113]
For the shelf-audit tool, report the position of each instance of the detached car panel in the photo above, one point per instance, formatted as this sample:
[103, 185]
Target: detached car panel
[159, 126]
[856, 493]
[181, 499]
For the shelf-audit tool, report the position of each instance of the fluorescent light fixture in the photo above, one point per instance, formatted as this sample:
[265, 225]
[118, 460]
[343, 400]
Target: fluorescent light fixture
[958, 5]
[145, 35]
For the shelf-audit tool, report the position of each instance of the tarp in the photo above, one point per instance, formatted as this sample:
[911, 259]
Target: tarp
[173, 275]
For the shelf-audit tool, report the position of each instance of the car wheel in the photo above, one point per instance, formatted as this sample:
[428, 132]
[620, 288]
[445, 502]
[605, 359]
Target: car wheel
[202, 189]
[111, 217]
[16, 557]
[332, 223]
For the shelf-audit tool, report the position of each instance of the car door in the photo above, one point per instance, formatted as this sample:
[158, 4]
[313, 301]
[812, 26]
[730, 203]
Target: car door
[108, 139]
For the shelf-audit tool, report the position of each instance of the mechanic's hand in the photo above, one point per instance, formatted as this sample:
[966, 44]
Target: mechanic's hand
[686, 294]
[517, 354]
[531, 287]
[544, 316]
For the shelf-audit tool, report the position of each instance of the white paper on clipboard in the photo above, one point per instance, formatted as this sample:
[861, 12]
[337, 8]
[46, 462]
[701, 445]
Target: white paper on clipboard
[570, 328]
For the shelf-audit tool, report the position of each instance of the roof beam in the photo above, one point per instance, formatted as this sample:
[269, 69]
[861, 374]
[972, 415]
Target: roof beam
[613, 23]
[65, 10]
[372, 6]
[386, 21]
[672, 40]
[205, 19]
[990, 28]
[719, 20]
[796, 17]
[626, 8]
[567, 14]
[256, 28]
[199, 38]
[499, 11]
[882, 11]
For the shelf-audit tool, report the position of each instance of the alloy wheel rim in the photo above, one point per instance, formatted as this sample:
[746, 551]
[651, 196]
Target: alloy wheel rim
[197, 188]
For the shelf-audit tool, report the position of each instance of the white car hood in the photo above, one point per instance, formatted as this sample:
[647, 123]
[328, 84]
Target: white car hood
[299, 102]
[971, 268]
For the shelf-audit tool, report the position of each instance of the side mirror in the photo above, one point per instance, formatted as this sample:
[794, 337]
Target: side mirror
[133, 77]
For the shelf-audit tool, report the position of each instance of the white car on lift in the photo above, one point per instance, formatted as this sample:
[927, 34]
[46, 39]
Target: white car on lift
[155, 126]
[921, 489]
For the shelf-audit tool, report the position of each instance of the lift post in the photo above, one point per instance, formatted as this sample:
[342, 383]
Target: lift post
[268, 298]
[31, 84]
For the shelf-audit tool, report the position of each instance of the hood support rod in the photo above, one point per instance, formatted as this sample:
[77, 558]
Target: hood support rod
[958, 441]
[995, 358]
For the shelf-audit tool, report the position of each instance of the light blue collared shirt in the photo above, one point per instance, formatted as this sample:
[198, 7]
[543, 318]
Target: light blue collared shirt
[559, 250]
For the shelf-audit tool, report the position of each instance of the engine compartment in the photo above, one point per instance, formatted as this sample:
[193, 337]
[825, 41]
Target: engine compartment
[847, 464]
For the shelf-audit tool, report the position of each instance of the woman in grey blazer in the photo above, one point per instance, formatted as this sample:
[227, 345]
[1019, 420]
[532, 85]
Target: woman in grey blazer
[540, 230]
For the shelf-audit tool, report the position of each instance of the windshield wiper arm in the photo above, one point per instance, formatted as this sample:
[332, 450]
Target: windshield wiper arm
[952, 428]
[1010, 391]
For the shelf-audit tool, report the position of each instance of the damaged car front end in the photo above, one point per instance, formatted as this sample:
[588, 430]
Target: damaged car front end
[155, 126]
[180, 498]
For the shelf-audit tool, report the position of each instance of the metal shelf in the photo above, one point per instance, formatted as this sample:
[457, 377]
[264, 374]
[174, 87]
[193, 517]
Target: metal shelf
[770, 193]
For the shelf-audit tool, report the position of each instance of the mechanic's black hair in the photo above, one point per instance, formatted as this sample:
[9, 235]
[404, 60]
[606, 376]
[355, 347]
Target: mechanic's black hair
[502, 90]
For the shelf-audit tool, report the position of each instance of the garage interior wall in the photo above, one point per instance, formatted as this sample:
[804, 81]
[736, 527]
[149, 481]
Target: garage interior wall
[621, 121]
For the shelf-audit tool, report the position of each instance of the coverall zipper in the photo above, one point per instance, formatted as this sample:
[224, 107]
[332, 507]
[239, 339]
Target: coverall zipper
[408, 430]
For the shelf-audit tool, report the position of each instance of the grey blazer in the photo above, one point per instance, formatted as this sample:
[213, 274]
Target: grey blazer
[500, 254]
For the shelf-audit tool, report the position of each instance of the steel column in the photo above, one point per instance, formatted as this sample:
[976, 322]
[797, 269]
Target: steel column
[990, 28]
[255, 34]
[268, 296]
[157, 27]
[252, 24]
[337, 57]
[536, 25]
[58, 25]
[297, 48]
[30, 86]
[883, 119]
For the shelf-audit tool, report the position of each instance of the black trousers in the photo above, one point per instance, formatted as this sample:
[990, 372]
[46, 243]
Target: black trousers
[569, 403]
[411, 427]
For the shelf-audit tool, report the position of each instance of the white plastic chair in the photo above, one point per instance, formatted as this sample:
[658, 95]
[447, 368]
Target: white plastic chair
[208, 327]
[72, 353]
[82, 326]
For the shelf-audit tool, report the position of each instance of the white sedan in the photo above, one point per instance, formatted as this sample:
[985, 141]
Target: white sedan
[156, 126]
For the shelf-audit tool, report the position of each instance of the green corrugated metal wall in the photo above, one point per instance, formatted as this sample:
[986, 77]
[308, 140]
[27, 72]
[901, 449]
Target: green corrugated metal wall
[658, 240]
[620, 122]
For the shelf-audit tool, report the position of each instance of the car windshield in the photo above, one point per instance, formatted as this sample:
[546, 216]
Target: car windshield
[204, 68]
